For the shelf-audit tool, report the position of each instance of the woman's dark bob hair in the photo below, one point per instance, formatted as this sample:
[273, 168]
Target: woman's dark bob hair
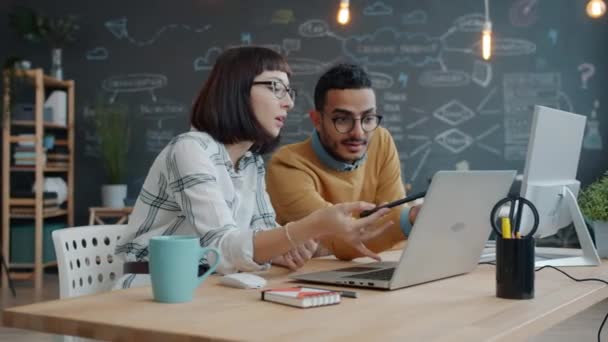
[223, 107]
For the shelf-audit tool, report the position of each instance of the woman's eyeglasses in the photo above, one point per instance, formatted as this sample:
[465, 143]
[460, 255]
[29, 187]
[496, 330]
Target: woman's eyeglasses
[278, 89]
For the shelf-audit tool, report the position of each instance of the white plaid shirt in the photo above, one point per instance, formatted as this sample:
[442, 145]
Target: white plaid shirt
[193, 189]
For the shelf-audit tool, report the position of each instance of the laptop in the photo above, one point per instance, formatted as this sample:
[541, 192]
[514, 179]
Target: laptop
[446, 240]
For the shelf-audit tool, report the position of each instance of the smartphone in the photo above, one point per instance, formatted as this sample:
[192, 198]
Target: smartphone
[411, 198]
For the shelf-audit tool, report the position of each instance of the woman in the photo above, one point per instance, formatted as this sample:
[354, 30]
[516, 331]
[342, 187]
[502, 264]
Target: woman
[210, 181]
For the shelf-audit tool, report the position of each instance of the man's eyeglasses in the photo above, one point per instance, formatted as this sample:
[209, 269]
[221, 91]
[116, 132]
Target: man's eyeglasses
[278, 89]
[345, 124]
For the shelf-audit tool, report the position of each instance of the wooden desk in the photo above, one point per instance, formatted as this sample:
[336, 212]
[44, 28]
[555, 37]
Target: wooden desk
[461, 308]
[97, 215]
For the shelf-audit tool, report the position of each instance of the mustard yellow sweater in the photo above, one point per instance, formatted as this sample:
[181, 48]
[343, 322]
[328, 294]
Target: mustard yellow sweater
[299, 183]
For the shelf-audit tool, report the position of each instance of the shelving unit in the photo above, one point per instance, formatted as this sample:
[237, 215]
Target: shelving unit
[38, 127]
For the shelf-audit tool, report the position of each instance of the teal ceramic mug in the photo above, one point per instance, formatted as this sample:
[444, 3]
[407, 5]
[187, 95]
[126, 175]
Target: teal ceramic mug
[174, 261]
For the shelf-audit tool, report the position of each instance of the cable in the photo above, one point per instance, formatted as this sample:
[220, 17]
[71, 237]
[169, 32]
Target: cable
[599, 332]
[487, 263]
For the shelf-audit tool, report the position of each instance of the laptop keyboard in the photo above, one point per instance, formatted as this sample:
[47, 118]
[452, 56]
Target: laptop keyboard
[385, 274]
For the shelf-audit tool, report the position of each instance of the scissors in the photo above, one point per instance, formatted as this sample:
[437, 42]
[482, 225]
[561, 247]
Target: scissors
[514, 217]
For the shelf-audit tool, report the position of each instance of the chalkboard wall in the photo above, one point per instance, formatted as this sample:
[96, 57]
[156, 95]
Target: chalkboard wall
[445, 106]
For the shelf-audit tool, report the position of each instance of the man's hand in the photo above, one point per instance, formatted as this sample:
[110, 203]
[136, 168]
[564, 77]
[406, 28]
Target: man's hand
[413, 214]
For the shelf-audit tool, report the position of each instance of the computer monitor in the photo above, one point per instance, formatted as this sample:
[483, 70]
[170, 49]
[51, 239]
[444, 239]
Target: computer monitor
[550, 181]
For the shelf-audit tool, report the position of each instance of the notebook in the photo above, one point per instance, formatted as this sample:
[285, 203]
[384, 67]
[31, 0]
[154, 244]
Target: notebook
[302, 297]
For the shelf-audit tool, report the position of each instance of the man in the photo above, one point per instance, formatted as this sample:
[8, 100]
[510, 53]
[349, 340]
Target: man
[348, 157]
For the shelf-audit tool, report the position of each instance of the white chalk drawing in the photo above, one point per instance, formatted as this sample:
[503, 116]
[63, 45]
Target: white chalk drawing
[298, 125]
[283, 17]
[454, 140]
[454, 113]
[522, 91]
[564, 102]
[421, 163]
[99, 53]
[162, 110]
[134, 83]
[466, 51]
[246, 38]
[377, 8]
[291, 44]
[489, 148]
[488, 132]
[417, 110]
[403, 78]
[482, 73]
[462, 165]
[418, 137]
[313, 28]
[492, 130]
[417, 17]
[509, 47]
[395, 97]
[448, 33]
[441, 78]
[91, 144]
[416, 144]
[417, 123]
[157, 139]
[305, 66]
[487, 106]
[423, 147]
[541, 63]
[391, 107]
[381, 80]
[470, 22]
[553, 35]
[523, 13]
[118, 27]
[587, 71]
[391, 119]
[387, 47]
[593, 138]
[91, 140]
[206, 62]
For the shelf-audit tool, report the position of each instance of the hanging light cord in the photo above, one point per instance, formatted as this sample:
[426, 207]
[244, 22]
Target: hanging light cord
[487, 2]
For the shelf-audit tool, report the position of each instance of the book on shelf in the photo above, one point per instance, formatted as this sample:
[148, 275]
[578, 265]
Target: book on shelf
[302, 297]
[32, 195]
[57, 156]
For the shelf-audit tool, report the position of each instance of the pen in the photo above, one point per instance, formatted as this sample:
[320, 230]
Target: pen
[343, 293]
[517, 222]
[506, 228]
[411, 198]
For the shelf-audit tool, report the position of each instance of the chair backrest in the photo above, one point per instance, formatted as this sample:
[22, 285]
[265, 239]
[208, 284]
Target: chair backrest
[85, 259]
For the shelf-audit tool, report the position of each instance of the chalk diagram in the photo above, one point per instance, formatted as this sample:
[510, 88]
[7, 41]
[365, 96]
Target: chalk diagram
[119, 28]
[133, 83]
[390, 47]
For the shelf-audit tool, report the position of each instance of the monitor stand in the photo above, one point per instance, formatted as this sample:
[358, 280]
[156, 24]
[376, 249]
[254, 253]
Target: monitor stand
[589, 255]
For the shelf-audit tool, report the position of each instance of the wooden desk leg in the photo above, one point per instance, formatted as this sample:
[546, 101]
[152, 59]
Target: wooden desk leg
[122, 220]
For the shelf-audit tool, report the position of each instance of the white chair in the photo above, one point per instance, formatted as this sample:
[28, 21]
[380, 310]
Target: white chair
[85, 259]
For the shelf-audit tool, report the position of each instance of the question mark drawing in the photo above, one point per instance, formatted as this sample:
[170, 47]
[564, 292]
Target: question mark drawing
[587, 71]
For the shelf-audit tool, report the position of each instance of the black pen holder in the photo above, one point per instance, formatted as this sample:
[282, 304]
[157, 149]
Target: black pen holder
[515, 268]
